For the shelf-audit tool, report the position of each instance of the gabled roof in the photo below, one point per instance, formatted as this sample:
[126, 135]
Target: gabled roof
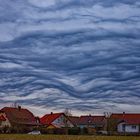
[130, 121]
[125, 116]
[19, 116]
[2, 118]
[87, 120]
[98, 119]
[49, 118]
[74, 119]
[128, 118]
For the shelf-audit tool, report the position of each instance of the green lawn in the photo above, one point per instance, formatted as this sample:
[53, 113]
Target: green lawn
[64, 137]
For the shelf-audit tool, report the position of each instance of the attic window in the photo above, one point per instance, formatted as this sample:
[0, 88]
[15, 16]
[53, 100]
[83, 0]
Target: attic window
[59, 120]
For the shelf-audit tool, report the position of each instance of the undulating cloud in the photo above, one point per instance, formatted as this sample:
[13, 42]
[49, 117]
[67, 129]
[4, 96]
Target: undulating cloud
[81, 55]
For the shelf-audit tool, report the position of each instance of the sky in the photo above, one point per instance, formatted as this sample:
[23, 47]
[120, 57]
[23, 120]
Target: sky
[83, 55]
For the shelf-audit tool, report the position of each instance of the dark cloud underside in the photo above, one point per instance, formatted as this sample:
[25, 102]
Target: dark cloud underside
[82, 55]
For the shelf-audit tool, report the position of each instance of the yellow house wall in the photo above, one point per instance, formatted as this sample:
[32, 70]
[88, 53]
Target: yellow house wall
[50, 127]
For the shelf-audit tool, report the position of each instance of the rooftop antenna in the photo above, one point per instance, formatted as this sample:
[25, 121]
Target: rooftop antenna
[14, 105]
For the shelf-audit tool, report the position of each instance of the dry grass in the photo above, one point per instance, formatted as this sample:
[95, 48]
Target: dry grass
[64, 137]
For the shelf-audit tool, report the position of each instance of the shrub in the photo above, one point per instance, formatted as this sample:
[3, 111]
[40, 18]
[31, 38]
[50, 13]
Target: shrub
[74, 131]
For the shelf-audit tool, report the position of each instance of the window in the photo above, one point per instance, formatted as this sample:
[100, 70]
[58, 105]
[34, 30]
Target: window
[123, 127]
[59, 120]
[133, 126]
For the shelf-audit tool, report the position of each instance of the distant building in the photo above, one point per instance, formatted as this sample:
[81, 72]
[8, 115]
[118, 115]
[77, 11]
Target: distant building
[17, 118]
[3, 121]
[127, 123]
[94, 124]
[56, 120]
[92, 121]
[74, 120]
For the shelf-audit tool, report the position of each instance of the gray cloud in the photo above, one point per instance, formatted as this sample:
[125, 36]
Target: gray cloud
[53, 55]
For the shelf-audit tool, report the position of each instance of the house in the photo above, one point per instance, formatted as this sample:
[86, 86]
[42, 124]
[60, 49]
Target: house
[97, 123]
[127, 123]
[56, 120]
[2, 118]
[74, 120]
[3, 121]
[17, 118]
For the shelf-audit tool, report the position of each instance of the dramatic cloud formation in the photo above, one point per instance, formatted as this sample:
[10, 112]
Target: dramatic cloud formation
[83, 54]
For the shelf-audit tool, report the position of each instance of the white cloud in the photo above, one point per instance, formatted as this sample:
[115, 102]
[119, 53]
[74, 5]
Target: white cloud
[42, 3]
[9, 65]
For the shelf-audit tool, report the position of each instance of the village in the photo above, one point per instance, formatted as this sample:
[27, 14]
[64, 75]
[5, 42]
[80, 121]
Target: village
[21, 120]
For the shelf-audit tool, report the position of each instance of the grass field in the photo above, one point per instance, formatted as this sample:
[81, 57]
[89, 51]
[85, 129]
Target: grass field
[64, 137]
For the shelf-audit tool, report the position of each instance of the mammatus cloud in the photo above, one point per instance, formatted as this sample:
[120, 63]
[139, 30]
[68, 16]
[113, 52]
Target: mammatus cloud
[82, 55]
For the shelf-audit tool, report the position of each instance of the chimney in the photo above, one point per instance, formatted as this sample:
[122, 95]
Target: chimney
[19, 108]
[123, 115]
[51, 113]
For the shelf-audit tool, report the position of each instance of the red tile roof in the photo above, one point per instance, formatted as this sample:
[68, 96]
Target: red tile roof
[91, 120]
[132, 121]
[74, 119]
[19, 116]
[125, 116]
[49, 118]
[128, 118]
[2, 118]
[85, 119]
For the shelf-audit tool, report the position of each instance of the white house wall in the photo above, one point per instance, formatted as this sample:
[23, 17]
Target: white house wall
[120, 127]
[61, 122]
[5, 123]
[128, 128]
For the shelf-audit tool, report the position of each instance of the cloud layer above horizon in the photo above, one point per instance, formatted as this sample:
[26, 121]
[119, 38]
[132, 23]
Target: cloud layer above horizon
[81, 55]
